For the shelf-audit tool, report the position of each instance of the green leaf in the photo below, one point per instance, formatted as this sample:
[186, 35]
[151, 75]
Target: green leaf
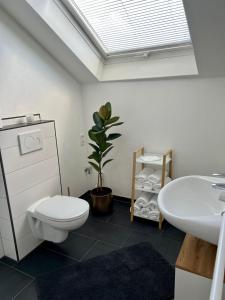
[112, 120]
[116, 124]
[96, 148]
[113, 136]
[96, 128]
[107, 161]
[96, 167]
[92, 135]
[107, 151]
[103, 112]
[96, 156]
[105, 146]
[100, 139]
[109, 109]
[98, 120]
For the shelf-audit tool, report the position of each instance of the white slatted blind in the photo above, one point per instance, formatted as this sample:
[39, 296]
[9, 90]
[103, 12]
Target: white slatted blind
[132, 25]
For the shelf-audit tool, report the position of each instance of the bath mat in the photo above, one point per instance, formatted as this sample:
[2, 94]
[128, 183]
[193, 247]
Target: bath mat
[136, 272]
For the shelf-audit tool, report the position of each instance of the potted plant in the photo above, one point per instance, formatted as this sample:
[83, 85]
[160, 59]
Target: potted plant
[101, 197]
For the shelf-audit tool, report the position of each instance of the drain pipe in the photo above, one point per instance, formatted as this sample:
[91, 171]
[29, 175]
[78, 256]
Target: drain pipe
[218, 273]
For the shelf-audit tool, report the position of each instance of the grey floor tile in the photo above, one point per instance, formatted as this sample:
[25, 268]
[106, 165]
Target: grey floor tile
[75, 246]
[104, 232]
[167, 247]
[99, 248]
[41, 261]
[138, 237]
[171, 232]
[28, 293]
[122, 218]
[11, 281]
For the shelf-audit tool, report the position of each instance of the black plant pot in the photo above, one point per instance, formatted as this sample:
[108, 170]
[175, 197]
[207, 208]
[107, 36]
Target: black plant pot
[101, 201]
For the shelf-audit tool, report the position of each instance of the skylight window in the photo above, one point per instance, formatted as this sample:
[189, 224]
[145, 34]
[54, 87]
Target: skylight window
[124, 26]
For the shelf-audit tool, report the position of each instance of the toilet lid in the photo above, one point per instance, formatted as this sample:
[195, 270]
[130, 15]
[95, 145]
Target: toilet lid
[62, 208]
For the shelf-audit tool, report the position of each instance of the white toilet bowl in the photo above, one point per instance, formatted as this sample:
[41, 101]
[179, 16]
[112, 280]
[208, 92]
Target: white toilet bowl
[52, 218]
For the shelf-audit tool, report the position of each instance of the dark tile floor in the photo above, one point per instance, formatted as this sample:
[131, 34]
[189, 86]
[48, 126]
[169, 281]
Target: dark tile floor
[99, 235]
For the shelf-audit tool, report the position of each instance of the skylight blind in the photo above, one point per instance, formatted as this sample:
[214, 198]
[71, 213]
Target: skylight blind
[132, 25]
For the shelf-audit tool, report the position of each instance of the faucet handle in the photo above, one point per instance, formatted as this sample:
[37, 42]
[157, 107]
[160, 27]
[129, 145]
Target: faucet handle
[218, 175]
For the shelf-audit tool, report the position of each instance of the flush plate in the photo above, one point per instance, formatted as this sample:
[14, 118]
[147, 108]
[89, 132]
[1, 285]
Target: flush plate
[30, 141]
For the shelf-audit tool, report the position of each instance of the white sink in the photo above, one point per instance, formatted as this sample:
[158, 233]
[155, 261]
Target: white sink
[192, 205]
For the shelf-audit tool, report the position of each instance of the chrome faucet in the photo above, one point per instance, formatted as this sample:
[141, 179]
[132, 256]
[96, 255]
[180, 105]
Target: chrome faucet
[218, 186]
[218, 175]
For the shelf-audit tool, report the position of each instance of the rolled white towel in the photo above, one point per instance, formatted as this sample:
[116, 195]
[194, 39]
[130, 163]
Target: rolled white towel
[143, 200]
[149, 214]
[147, 185]
[153, 205]
[137, 208]
[143, 175]
[156, 176]
[154, 215]
[156, 187]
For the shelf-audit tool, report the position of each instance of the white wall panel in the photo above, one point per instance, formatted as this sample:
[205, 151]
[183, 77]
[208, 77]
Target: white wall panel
[1, 248]
[9, 248]
[4, 210]
[6, 229]
[21, 202]
[9, 138]
[27, 244]
[30, 177]
[13, 160]
[21, 180]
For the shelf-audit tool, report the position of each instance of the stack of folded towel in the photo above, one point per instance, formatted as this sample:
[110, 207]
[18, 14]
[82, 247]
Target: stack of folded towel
[142, 178]
[146, 206]
[150, 179]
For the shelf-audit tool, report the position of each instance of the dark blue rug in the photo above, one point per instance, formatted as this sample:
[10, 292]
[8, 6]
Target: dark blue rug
[137, 272]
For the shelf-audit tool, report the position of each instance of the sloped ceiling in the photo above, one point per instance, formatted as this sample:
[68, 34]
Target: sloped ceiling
[206, 20]
[22, 12]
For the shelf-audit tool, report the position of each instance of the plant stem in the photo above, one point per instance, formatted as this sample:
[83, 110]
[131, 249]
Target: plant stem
[100, 176]
[98, 181]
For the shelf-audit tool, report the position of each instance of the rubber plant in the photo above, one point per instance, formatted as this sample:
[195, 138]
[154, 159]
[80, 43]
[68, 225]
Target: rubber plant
[102, 144]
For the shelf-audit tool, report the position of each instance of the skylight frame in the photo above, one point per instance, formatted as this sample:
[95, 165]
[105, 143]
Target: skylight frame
[99, 45]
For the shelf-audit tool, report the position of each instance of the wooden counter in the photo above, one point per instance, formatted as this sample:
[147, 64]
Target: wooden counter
[197, 256]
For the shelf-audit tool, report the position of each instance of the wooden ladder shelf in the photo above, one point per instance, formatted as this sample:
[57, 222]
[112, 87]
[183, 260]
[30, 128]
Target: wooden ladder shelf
[165, 163]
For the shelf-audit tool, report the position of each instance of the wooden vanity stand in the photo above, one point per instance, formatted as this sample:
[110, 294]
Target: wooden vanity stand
[194, 269]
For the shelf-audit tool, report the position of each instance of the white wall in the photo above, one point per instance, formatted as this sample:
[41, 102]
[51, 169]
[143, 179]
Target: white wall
[1, 248]
[173, 63]
[31, 81]
[187, 115]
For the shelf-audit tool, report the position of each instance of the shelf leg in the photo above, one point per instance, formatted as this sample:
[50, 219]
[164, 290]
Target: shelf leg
[131, 217]
[160, 221]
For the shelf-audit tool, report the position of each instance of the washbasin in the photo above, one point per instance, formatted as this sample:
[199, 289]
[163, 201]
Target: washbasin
[193, 206]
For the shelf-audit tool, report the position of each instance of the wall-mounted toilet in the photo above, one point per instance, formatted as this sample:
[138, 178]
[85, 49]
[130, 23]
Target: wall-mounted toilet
[52, 218]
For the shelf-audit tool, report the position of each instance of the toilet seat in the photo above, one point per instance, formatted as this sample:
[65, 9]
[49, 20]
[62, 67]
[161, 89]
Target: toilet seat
[52, 218]
[61, 209]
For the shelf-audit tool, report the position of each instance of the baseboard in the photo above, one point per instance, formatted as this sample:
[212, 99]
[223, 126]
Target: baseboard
[86, 196]
[121, 199]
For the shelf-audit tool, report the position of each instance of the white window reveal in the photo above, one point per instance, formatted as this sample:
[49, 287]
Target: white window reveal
[126, 26]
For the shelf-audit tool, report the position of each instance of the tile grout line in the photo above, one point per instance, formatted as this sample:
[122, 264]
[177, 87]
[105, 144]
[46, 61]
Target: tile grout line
[61, 254]
[89, 250]
[127, 238]
[87, 236]
[18, 270]
[26, 286]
